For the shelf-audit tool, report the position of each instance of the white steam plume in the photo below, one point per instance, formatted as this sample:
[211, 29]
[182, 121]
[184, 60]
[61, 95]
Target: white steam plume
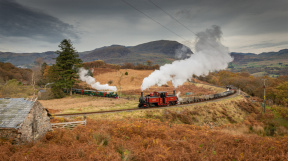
[91, 81]
[210, 55]
[178, 96]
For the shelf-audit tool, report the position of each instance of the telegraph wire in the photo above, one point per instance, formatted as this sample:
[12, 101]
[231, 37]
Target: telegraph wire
[180, 22]
[129, 4]
[172, 17]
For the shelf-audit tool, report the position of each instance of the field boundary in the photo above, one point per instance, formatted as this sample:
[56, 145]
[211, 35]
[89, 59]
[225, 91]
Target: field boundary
[68, 124]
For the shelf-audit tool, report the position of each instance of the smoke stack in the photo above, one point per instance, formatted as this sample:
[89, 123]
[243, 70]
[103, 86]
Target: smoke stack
[174, 92]
[141, 94]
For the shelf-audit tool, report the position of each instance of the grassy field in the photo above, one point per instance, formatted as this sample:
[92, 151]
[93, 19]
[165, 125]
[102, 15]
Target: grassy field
[82, 103]
[131, 84]
[129, 92]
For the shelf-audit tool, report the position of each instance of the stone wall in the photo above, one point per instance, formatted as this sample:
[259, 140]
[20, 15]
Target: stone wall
[10, 134]
[36, 124]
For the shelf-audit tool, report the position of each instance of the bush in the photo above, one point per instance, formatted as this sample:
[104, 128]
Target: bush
[110, 82]
[126, 73]
[57, 92]
[48, 94]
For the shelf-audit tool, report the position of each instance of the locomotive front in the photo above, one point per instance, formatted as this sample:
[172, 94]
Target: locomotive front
[157, 99]
[142, 101]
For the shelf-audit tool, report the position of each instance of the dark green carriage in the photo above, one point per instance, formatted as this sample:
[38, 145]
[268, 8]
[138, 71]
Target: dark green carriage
[89, 92]
[77, 91]
[101, 93]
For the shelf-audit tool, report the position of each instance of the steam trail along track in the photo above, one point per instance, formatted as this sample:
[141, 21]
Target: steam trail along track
[136, 109]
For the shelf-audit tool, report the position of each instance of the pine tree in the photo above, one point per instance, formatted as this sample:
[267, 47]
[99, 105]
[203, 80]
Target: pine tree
[67, 64]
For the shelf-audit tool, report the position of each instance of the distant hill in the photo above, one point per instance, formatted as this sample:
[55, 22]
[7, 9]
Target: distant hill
[245, 58]
[266, 63]
[25, 60]
[160, 52]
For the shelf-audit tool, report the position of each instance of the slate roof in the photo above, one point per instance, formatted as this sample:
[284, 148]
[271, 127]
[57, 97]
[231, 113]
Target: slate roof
[13, 111]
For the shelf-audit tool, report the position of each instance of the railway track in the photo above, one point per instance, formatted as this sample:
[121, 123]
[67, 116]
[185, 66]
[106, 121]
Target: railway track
[137, 109]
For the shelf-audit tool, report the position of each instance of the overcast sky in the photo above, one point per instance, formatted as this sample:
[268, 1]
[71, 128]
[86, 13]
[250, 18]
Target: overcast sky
[40, 25]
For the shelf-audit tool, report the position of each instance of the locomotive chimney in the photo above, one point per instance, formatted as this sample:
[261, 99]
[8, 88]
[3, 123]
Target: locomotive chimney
[141, 94]
[174, 92]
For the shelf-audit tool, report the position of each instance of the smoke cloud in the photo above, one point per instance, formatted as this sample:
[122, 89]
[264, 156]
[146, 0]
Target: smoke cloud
[182, 52]
[83, 74]
[210, 55]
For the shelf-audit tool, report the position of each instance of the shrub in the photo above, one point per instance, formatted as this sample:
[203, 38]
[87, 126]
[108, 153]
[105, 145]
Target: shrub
[57, 92]
[110, 82]
[48, 94]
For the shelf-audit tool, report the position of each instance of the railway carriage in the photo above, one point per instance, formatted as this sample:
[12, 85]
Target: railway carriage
[92, 92]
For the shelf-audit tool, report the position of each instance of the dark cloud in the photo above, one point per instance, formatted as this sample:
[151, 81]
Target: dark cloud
[100, 23]
[19, 21]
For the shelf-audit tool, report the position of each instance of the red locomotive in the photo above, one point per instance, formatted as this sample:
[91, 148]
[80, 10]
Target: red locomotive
[157, 99]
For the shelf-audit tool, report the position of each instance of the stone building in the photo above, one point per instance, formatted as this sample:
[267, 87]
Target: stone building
[22, 120]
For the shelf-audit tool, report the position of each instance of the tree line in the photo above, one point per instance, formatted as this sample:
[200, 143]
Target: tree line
[101, 64]
[276, 88]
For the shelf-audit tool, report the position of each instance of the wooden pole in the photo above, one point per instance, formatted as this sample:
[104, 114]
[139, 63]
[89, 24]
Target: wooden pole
[264, 96]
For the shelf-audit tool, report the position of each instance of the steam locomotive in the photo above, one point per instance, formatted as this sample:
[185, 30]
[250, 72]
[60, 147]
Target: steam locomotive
[163, 99]
[92, 92]
[157, 99]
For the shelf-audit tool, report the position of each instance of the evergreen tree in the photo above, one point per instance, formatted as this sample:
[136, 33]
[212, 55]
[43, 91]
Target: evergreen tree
[67, 64]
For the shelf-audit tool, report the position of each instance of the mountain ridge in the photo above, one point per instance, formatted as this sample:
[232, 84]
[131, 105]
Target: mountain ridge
[160, 52]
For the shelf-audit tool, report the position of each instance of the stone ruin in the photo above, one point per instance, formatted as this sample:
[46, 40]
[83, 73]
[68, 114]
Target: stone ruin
[23, 120]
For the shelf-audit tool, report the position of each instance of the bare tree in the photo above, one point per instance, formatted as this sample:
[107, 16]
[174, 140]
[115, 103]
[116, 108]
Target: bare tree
[36, 74]
[119, 83]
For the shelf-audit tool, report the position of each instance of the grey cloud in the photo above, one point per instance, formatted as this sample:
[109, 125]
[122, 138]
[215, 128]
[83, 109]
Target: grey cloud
[266, 44]
[19, 21]
[246, 17]
[113, 22]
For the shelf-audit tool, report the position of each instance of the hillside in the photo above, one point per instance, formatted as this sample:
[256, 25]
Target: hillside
[131, 84]
[26, 59]
[245, 58]
[9, 71]
[266, 63]
[160, 52]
